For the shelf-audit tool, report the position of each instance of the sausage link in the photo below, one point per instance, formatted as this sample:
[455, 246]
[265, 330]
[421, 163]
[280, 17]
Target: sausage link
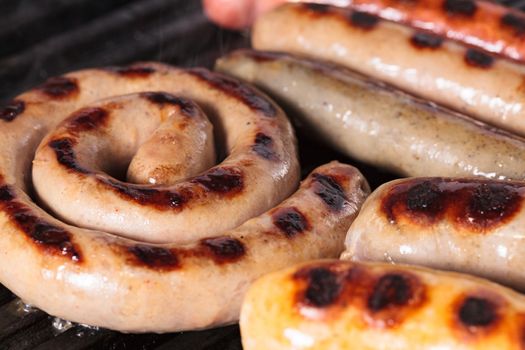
[467, 225]
[103, 279]
[376, 124]
[343, 305]
[465, 79]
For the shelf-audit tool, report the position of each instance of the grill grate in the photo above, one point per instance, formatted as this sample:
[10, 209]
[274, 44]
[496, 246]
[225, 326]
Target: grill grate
[50, 37]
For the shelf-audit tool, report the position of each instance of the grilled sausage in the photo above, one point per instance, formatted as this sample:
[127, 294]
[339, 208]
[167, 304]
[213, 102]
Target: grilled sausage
[342, 305]
[98, 278]
[467, 225]
[466, 79]
[377, 124]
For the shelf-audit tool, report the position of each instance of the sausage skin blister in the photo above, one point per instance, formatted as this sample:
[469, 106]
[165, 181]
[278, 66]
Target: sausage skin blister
[484, 24]
[465, 79]
[98, 278]
[467, 225]
[333, 304]
[377, 124]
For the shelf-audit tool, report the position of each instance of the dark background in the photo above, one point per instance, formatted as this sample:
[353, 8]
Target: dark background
[43, 38]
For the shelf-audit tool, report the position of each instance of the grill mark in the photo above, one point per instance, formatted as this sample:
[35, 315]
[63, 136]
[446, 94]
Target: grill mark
[187, 107]
[223, 180]
[224, 249]
[87, 119]
[161, 199]
[465, 8]
[330, 191]
[290, 221]
[49, 238]
[391, 290]
[422, 40]
[363, 20]
[235, 89]
[65, 154]
[157, 258]
[59, 87]
[322, 287]
[319, 8]
[133, 71]
[478, 59]
[12, 110]
[263, 146]
[514, 22]
[475, 205]
[476, 314]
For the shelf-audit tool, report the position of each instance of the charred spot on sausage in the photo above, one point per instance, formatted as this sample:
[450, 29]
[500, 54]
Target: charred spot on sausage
[460, 7]
[10, 111]
[187, 107]
[222, 180]
[164, 199]
[516, 23]
[65, 154]
[263, 146]
[6, 194]
[492, 202]
[479, 59]
[390, 290]
[320, 8]
[290, 221]
[363, 20]
[426, 40]
[224, 249]
[154, 257]
[477, 312]
[330, 191]
[87, 119]
[133, 71]
[242, 92]
[323, 287]
[59, 87]
[424, 197]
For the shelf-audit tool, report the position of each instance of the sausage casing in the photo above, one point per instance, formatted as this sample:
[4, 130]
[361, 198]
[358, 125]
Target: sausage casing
[342, 305]
[377, 124]
[465, 79]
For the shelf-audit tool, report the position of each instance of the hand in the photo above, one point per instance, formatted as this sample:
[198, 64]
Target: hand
[237, 14]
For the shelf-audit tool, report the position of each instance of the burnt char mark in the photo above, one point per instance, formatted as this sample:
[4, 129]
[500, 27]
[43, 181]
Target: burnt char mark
[263, 146]
[320, 8]
[161, 199]
[153, 257]
[460, 7]
[133, 71]
[12, 110]
[490, 203]
[224, 249]
[516, 23]
[224, 180]
[322, 287]
[426, 41]
[391, 290]
[477, 205]
[65, 153]
[50, 238]
[238, 90]
[187, 107]
[363, 20]
[478, 59]
[59, 87]
[330, 191]
[477, 312]
[393, 297]
[87, 119]
[290, 221]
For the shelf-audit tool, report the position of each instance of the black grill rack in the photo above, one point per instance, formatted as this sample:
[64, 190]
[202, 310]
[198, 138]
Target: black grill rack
[43, 38]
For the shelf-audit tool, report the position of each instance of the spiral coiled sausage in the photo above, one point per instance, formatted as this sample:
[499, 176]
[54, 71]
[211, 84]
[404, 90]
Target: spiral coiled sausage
[93, 277]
